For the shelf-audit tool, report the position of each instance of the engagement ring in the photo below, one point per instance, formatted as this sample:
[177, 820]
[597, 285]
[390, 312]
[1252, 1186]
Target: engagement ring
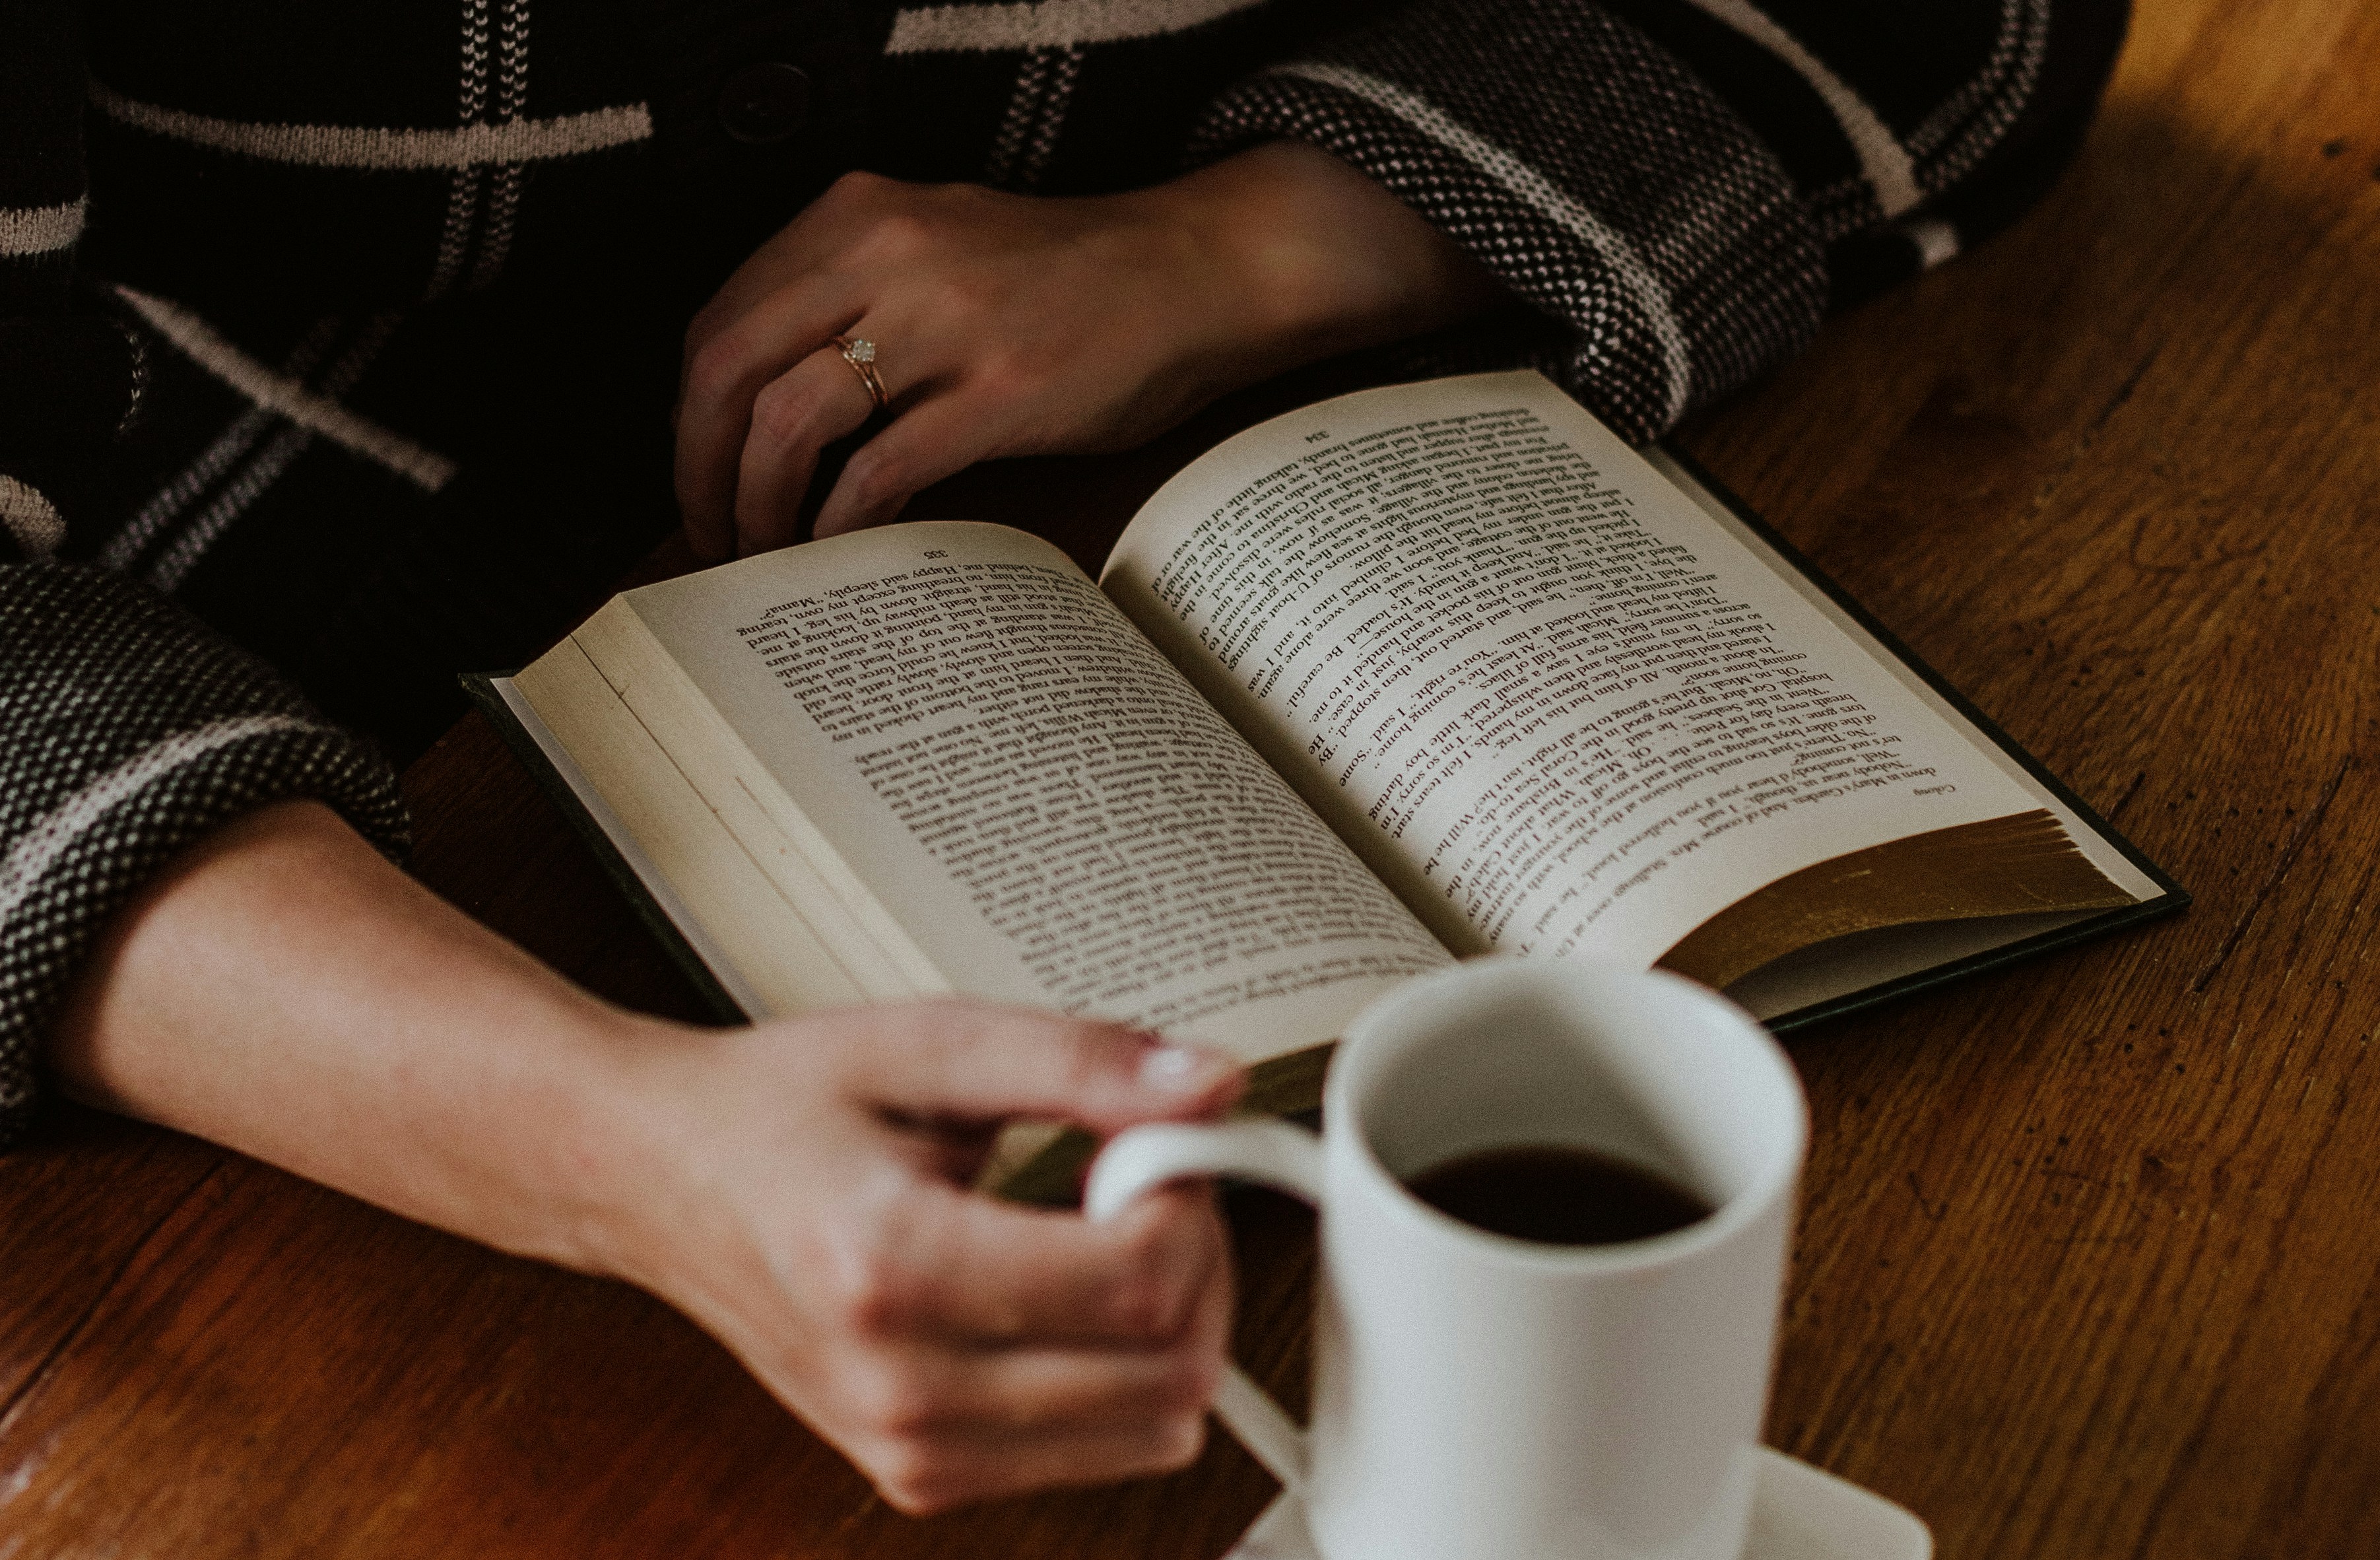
[860, 353]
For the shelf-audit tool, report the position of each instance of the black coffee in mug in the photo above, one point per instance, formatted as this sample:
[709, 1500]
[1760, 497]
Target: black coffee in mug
[1558, 1196]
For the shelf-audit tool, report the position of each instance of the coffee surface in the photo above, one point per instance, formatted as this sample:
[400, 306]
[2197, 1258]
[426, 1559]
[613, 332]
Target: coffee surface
[1558, 1196]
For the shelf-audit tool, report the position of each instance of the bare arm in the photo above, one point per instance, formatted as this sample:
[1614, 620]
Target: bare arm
[268, 994]
[285, 990]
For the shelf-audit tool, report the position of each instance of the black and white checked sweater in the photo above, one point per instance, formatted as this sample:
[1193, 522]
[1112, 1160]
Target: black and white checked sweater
[336, 340]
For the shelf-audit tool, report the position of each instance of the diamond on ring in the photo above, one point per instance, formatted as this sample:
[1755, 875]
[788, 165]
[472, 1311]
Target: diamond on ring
[860, 353]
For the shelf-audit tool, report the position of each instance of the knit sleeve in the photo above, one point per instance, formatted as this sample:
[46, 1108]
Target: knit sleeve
[127, 729]
[128, 732]
[1678, 189]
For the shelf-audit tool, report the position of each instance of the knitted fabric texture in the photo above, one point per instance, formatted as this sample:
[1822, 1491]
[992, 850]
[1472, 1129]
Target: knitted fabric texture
[131, 732]
[1591, 173]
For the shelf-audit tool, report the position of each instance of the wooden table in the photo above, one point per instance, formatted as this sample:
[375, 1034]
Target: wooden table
[2090, 1264]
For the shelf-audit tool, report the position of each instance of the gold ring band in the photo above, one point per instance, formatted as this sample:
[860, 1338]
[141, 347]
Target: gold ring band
[860, 353]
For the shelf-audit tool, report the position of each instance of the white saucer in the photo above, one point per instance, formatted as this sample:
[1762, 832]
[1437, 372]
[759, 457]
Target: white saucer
[1798, 1513]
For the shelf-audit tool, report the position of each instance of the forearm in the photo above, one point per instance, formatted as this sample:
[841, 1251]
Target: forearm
[1312, 258]
[282, 989]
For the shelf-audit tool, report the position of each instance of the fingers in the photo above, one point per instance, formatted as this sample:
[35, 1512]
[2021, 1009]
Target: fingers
[926, 444]
[794, 417]
[956, 1469]
[728, 367]
[978, 1272]
[821, 399]
[975, 1062]
[935, 1428]
[814, 403]
[945, 1396]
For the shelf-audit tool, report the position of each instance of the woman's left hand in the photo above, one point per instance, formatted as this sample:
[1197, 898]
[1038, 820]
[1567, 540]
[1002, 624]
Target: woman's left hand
[1014, 325]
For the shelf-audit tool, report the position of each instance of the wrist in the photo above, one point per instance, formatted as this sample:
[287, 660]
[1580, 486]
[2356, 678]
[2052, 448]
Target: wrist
[1305, 257]
[584, 1177]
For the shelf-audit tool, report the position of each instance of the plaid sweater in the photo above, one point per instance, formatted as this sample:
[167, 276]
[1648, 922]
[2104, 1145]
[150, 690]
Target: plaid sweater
[335, 339]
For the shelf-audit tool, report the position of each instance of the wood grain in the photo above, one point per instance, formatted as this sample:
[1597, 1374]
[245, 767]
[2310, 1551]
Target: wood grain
[2086, 1265]
[2086, 1269]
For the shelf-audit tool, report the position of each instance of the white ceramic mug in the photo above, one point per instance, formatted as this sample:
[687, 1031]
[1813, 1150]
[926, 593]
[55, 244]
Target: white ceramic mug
[1481, 1397]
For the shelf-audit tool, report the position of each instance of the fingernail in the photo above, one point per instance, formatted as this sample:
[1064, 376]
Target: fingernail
[1179, 1069]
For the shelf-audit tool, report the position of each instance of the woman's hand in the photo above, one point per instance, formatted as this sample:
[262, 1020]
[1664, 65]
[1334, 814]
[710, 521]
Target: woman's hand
[800, 1190]
[1011, 324]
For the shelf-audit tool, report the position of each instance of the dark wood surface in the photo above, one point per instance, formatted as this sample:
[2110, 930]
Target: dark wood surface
[2088, 1264]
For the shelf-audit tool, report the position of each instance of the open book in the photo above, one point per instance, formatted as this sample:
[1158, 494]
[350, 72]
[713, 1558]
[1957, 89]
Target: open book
[1405, 676]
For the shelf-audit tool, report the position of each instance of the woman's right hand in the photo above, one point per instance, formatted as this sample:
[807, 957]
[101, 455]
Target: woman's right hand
[800, 1188]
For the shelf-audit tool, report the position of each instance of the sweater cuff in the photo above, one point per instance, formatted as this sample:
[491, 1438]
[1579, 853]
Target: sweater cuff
[1659, 245]
[127, 733]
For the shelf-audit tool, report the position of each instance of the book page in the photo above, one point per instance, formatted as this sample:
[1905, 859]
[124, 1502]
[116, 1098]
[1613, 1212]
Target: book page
[1556, 705]
[1045, 808]
[2100, 851]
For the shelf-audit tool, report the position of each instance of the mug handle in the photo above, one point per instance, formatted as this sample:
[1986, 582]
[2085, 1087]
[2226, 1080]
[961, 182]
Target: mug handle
[1272, 1152]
